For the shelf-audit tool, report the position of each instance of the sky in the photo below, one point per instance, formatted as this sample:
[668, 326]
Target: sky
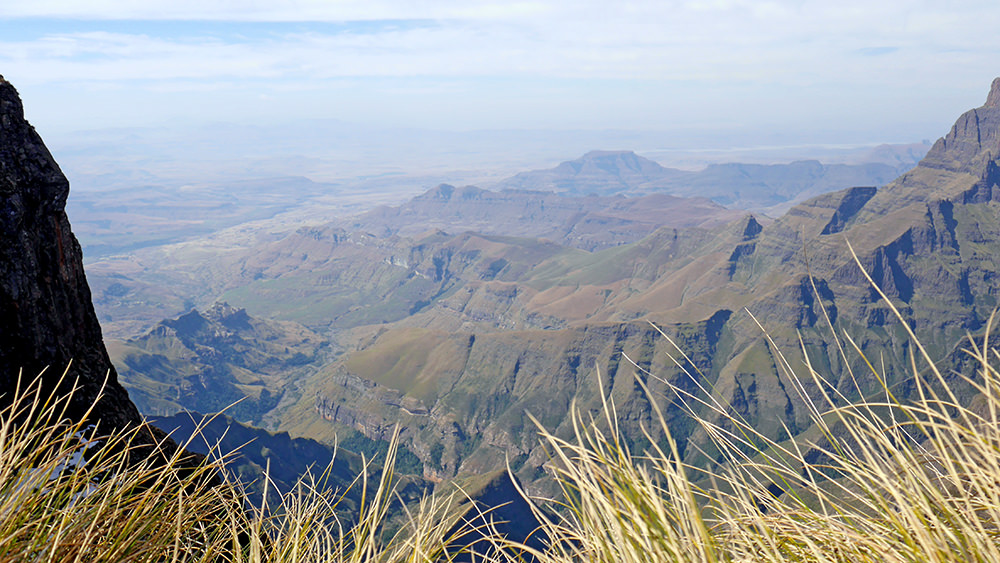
[734, 71]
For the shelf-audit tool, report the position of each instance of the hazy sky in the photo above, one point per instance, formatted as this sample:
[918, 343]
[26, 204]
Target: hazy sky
[819, 71]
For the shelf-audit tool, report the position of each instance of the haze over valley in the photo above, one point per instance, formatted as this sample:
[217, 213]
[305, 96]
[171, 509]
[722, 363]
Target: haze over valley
[355, 225]
[333, 320]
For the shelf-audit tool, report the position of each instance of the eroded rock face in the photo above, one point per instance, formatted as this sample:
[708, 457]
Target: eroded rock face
[46, 315]
[973, 141]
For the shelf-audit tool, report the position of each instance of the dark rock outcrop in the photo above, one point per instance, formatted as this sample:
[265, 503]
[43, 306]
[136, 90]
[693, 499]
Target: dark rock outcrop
[47, 319]
[853, 200]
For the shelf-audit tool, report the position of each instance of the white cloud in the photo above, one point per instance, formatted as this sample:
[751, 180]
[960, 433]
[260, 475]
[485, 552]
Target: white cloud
[662, 56]
[702, 40]
[269, 10]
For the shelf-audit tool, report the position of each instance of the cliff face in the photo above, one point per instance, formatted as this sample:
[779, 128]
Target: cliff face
[973, 141]
[46, 314]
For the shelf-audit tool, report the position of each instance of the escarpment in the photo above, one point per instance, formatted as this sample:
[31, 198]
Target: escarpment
[47, 320]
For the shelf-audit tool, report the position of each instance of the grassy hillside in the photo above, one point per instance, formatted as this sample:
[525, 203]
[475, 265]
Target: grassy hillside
[879, 480]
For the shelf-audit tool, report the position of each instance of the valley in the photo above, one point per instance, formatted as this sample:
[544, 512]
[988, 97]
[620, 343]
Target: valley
[466, 314]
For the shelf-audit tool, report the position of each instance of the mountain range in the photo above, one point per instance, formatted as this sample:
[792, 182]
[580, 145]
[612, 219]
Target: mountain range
[136, 290]
[761, 188]
[465, 337]
[590, 223]
[49, 335]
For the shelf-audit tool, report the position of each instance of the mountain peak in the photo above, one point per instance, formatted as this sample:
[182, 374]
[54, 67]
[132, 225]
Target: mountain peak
[441, 191]
[964, 165]
[993, 100]
[189, 323]
[231, 317]
[973, 141]
[448, 192]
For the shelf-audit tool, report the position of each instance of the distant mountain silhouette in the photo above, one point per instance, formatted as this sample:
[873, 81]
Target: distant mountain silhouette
[770, 188]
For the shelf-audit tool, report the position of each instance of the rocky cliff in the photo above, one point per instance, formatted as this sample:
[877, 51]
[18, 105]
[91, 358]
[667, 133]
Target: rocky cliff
[47, 319]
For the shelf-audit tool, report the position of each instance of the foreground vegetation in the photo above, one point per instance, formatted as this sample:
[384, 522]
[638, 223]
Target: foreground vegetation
[884, 479]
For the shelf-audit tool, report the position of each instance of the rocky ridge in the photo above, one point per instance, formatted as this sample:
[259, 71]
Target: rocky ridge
[589, 223]
[219, 359]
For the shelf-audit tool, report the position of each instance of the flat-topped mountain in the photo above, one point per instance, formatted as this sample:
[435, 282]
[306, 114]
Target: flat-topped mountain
[770, 188]
[597, 172]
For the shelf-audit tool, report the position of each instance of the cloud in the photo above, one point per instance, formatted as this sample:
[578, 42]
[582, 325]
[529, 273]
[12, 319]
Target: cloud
[699, 40]
[666, 59]
[877, 51]
[270, 11]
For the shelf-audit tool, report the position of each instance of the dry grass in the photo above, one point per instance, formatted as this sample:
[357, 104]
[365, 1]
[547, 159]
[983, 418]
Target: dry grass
[65, 496]
[889, 481]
